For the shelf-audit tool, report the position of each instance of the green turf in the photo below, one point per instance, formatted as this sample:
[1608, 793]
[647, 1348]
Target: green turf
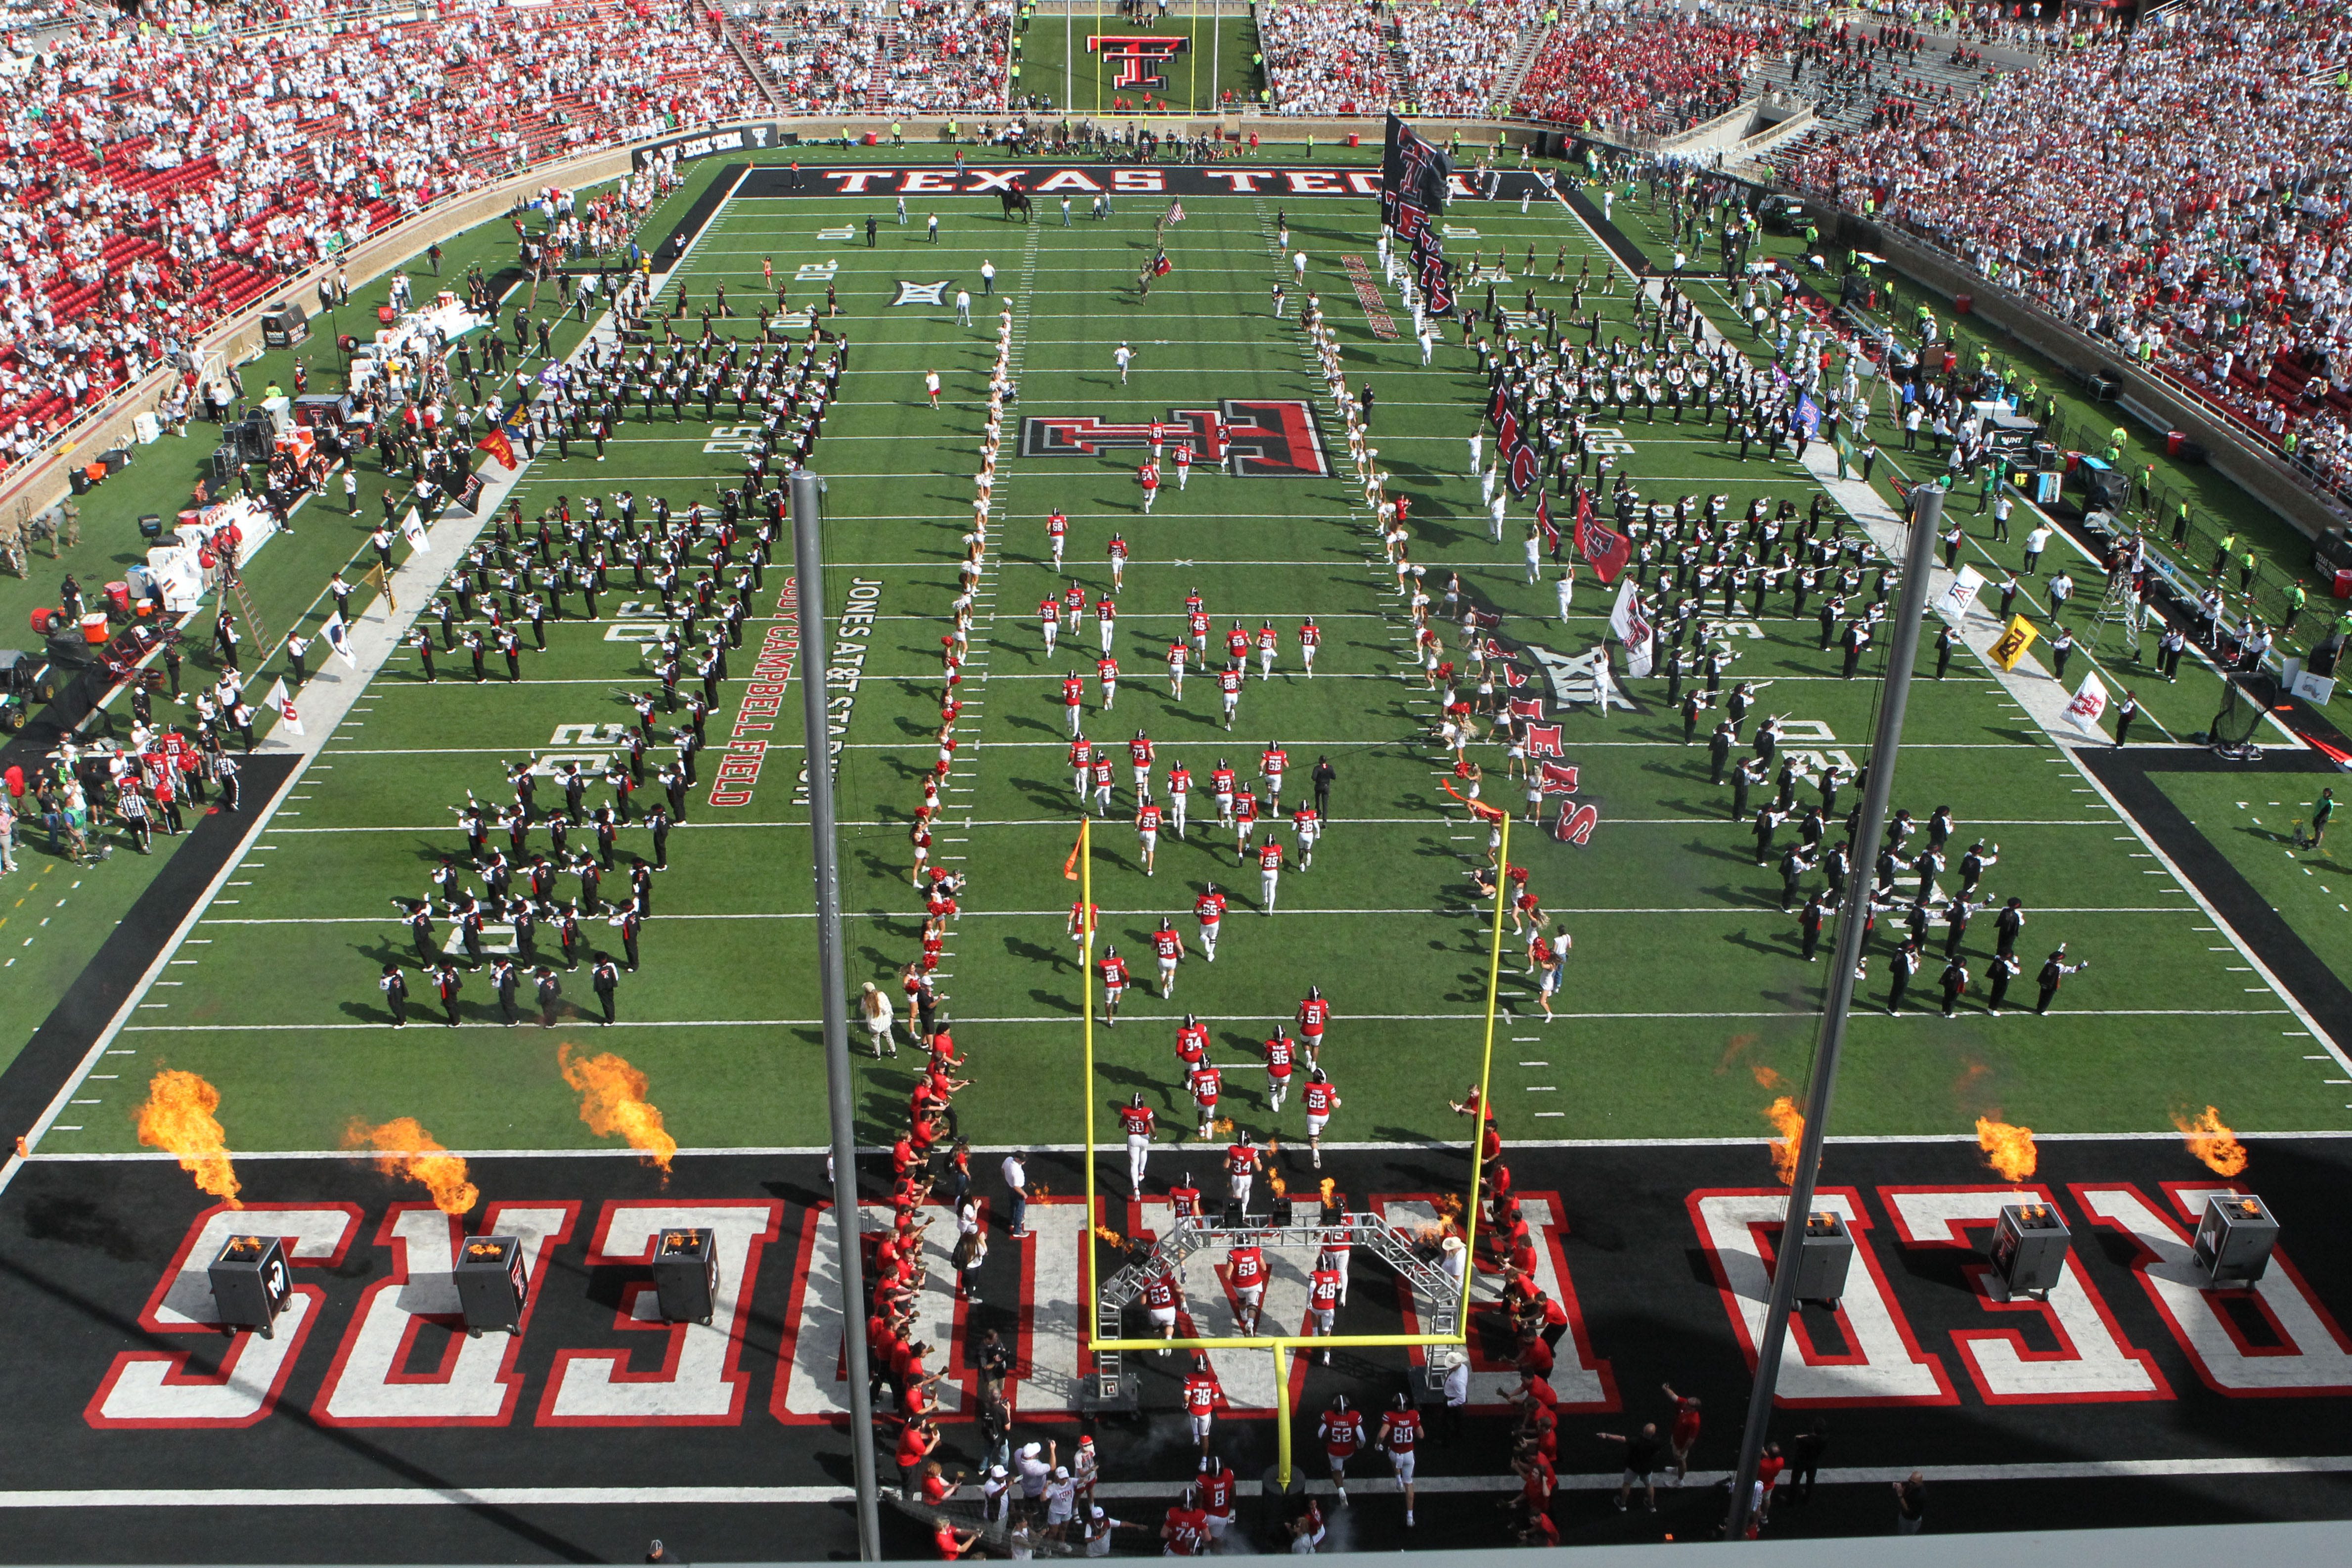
[1684, 979]
[2253, 821]
[1218, 58]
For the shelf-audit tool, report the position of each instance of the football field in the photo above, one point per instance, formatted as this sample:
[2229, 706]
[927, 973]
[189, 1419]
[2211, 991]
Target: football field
[1684, 990]
[1635, 1118]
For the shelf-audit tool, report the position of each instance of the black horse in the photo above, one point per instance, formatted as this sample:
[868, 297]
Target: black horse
[1017, 200]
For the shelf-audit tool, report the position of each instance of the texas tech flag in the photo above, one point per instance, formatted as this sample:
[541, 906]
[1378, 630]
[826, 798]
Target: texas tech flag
[1528, 706]
[1543, 741]
[1576, 823]
[1543, 520]
[1602, 545]
[1559, 778]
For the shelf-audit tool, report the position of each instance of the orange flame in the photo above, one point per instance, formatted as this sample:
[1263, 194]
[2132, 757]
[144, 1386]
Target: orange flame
[1326, 1186]
[1105, 1233]
[1449, 1209]
[1784, 1116]
[406, 1149]
[613, 1102]
[2208, 1139]
[1281, 1188]
[1223, 1127]
[178, 1119]
[1040, 1190]
[1767, 1079]
[2009, 1149]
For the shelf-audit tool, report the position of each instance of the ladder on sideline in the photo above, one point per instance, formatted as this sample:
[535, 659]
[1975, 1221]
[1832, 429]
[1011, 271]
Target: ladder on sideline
[253, 628]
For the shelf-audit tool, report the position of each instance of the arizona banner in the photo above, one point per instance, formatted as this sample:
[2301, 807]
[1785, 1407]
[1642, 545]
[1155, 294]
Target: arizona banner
[498, 444]
[2010, 646]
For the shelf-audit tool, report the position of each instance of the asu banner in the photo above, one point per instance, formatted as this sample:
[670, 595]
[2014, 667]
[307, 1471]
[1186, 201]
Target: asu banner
[2010, 646]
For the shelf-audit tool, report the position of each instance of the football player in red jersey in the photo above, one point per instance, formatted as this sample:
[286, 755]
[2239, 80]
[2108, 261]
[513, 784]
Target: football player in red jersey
[1216, 1486]
[1146, 827]
[1268, 641]
[1107, 675]
[1136, 1119]
[1073, 700]
[1180, 792]
[1342, 1431]
[1168, 947]
[1314, 1013]
[1209, 909]
[1269, 872]
[1184, 466]
[1683, 1433]
[1148, 476]
[1242, 1161]
[1058, 531]
[1221, 790]
[1114, 982]
[1245, 1272]
[1245, 824]
[1323, 1289]
[1281, 1057]
[1162, 1296]
[1106, 621]
[1237, 646]
[1103, 779]
[1229, 687]
[1191, 1045]
[1184, 1198]
[1074, 605]
[1186, 1531]
[1082, 765]
[1117, 551]
[1400, 1435]
[1200, 1400]
[1176, 656]
[1272, 764]
[1310, 638]
[1320, 1100]
[1202, 1082]
[1139, 756]
[1196, 627]
[1049, 621]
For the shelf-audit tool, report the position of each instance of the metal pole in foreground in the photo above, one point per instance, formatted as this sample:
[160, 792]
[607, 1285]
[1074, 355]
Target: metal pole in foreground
[808, 577]
[1927, 511]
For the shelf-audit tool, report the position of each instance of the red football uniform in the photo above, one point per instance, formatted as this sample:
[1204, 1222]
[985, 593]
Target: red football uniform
[1313, 1014]
[1167, 944]
[1074, 691]
[1210, 908]
[1237, 642]
[1245, 807]
[1204, 1082]
[1246, 1266]
[1147, 818]
[1318, 1099]
[1160, 1292]
[1192, 1044]
[1323, 1289]
[1199, 1394]
[1343, 1432]
[1135, 1121]
[1269, 856]
[1138, 751]
[1114, 974]
[1184, 1202]
[1404, 1430]
[1280, 1053]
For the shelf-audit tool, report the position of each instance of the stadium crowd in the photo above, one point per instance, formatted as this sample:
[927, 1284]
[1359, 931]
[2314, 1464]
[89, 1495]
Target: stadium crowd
[2174, 192]
[922, 57]
[153, 183]
[1327, 56]
[1653, 72]
[1454, 55]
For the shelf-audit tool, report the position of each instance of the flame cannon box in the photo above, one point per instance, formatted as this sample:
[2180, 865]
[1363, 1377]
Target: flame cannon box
[490, 1284]
[685, 1275]
[2234, 1239]
[1823, 1258]
[2029, 1248]
[251, 1283]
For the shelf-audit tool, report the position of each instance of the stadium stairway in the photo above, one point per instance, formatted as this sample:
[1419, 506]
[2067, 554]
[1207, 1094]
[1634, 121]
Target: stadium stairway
[1523, 59]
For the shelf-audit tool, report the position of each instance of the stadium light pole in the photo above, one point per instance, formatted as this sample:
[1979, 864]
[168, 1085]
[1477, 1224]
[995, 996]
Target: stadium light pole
[833, 1002]
[1926, 515]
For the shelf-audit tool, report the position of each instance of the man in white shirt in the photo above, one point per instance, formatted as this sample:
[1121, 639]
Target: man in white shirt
[1017, 1181]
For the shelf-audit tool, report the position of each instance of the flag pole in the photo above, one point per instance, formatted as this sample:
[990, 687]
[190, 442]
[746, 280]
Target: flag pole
[1087, 1034]
[1926, 515]
[833, 1005]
